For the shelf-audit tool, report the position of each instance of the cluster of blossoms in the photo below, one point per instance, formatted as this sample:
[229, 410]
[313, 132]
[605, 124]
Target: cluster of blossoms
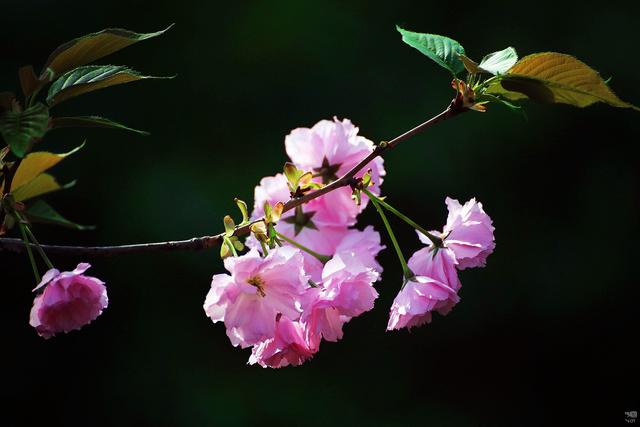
[467, 240]
[282, 302]
[318, 271]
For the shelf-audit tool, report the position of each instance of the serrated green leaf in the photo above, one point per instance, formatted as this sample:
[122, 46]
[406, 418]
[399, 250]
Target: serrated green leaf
[91, 122]
[20, 129]
[89, 78]
[443, 50]
[86, 49]
[499, 62]
[555, 77]
[42, 212]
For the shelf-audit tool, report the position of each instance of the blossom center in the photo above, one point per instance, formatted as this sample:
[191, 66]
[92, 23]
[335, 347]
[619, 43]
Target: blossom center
[258, 283]
[327, 172]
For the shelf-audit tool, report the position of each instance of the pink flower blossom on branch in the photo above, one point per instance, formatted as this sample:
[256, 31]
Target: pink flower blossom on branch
[468, 232]
[69, 301]
[416, 300]
[347, 291]
[288, 346]
[330, 149]
[257, 290]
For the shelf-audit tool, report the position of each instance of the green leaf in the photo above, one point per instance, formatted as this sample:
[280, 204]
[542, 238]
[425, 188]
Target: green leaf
[499, 62]
[229, 226]
[42, 212]
[443, 50]
[91, 122]
[89, 78]
[19, 129]
[87, 49]
[555, 77]
[242, 205]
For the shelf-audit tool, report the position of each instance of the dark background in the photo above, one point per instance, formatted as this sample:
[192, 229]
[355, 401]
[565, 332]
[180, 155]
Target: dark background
[545, 335]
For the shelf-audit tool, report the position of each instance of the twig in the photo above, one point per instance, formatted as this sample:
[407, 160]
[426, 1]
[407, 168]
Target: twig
[206, 242]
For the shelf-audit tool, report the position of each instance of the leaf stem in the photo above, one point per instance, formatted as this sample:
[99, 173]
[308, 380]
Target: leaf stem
[322, 258]
[406, 271]
[437, 241]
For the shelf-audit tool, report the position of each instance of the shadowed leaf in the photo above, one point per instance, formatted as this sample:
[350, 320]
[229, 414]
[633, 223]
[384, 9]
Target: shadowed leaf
[89, 78]
[87, 49]
[91, 122]
[555, 77]
[28, 80]
[19, 129]
[42, 212]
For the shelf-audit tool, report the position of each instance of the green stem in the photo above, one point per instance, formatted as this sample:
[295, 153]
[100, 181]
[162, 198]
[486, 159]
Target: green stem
[29, 252]
[322, 258]
[38, 247]
[229, 244]
[437, 241]
[265, 250]
[408, 274]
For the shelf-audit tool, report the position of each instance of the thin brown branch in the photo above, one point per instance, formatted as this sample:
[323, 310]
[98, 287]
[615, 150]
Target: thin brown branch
[207, 242]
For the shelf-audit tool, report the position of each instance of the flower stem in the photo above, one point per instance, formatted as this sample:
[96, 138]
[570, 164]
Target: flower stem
[437, 241]
[322, 258]
[32, 260]
[38, 247]
[406, 271]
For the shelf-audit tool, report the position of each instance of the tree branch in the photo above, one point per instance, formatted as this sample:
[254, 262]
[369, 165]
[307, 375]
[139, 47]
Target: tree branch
[207, 242]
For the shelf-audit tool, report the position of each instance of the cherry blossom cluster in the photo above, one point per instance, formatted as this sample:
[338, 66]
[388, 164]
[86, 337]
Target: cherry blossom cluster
[282, 302]
[318, 270]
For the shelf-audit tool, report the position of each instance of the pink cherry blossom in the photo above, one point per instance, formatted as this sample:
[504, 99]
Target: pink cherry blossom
[433, 289]
[288, 346]
[330, 149]
[416, 300]
[364, 244]
[347, 291]
[438, 264]
[69, 301]
[468, 232]
[257, 290]
[319, 237]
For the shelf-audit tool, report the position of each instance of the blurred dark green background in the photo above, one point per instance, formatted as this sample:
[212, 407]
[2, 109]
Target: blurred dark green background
[543, 336]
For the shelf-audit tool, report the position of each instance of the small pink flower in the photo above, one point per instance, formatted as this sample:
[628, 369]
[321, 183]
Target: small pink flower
[288, 346]
[416, 300]
[468, 232]
[363, 244]
[433, 289]
[258, 289]
[347, 291]
[69, 301]
[330, 149]
[438, 264]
